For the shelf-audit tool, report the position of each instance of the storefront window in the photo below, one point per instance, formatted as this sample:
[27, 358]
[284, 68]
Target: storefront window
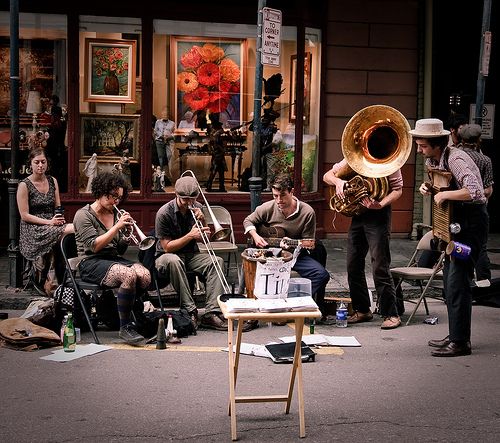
[203, 92]
[42, 91]
[110, 99]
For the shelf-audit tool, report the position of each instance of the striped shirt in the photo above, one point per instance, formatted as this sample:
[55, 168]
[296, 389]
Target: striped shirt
[465, 172]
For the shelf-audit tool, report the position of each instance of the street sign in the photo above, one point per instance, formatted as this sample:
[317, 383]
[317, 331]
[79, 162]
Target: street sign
[487, 122]
[271, 36]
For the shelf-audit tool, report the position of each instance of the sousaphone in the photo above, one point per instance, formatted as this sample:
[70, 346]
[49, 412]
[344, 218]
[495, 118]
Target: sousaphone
[376, 142]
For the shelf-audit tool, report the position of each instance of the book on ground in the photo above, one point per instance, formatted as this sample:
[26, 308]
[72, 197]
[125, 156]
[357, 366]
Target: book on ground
[283, 352]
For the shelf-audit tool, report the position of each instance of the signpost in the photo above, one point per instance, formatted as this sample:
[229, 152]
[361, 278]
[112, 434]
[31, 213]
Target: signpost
[487, 119]
[271, 36]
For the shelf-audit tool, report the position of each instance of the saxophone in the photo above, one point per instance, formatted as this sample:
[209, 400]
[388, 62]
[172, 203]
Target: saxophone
[376, 142]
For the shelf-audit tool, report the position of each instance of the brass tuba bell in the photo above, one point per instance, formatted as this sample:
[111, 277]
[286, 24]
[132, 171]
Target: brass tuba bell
[376, 142]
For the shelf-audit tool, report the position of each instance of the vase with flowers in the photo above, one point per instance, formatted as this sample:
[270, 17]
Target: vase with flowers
[209, 80]
[110, 63]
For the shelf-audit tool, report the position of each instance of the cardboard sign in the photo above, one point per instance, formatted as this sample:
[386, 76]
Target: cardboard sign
[272, 278]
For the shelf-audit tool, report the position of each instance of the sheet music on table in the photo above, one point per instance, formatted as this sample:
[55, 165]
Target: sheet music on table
[271, 305]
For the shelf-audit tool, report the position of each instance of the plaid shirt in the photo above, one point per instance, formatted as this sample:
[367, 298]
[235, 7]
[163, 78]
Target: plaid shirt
[483, 162]
[465, 172]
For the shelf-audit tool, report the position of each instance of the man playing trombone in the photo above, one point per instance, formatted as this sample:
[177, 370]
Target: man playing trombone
[179, 225]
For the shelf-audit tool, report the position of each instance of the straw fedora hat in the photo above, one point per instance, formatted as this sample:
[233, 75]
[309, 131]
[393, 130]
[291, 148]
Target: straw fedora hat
[429, 128]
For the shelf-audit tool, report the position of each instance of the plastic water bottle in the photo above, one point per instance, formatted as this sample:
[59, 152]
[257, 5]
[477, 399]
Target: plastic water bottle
[69, 338]
[341, 315]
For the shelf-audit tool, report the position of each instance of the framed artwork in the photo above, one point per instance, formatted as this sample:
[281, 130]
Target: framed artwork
[109, 135]
[138, 61]
[307, 86]
[36, 71]
[207, 78]
[110, 73]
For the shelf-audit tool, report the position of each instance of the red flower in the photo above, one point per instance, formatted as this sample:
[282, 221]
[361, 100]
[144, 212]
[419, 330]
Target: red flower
[198, 99]
[208, 74]
[192, 58]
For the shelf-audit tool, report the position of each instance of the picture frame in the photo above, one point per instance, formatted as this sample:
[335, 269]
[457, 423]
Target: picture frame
[307, 87]
[110, 72]
[207, 77]
[108, 135]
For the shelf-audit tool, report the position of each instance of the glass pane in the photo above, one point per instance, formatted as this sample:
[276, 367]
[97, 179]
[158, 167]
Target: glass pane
[110, 99]
[42, 91]
[203, 88]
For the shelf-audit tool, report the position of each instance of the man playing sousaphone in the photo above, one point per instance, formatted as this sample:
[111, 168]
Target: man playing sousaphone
[296, 220]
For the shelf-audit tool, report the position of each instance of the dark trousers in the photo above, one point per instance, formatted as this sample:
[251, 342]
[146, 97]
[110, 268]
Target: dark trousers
[457, 273]
[312, 266]
[371, 231]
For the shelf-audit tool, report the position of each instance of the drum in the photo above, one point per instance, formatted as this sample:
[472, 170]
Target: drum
[250, 260]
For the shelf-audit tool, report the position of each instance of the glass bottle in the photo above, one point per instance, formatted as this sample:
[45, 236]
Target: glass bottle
[69, 339]
[63, 326]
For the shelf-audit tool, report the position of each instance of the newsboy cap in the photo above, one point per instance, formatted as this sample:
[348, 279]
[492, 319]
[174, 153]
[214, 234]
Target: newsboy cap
[187, 187]
[470, 133]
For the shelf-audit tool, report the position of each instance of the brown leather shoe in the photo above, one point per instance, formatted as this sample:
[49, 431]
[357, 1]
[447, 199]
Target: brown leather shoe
[391, 323]
[360, 317]
[213, 321]
[453, 349]
[439, 343]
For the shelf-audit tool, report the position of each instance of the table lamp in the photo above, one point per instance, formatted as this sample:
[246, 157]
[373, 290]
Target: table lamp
[34, 106]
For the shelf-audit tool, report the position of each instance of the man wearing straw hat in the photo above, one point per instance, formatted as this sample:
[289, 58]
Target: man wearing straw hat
[468, 210]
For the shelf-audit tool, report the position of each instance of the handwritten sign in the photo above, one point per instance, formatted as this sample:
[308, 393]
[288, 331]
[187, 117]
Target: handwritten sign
[272, 278]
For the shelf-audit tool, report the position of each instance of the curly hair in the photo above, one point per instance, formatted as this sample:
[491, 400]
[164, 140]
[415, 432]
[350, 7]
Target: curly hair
[106, 182]
[282, 182]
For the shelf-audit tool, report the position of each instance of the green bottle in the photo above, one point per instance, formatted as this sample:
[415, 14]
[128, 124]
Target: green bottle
[69, 338]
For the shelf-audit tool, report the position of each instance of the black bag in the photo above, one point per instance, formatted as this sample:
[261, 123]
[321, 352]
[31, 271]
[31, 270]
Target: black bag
[147, 322]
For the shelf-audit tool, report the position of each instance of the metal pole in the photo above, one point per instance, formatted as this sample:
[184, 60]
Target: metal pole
[483, 62]
[255, 182]
[15, 260]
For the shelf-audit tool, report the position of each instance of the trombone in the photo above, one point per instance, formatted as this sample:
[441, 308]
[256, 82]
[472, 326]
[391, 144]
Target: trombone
[144, 242]
[219, 234]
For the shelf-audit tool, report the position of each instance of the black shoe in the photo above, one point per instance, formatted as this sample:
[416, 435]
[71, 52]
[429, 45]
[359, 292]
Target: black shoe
[327, 320]
[212, 321]
[193, 315]
[129, 334]
[248, 325]
[439, 343]
[453, 349]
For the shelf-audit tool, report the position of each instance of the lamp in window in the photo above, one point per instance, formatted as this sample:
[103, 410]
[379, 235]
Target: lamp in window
[34, 106]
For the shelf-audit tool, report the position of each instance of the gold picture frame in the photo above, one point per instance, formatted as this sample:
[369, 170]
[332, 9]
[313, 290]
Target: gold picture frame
[108, 135]
[110, 72]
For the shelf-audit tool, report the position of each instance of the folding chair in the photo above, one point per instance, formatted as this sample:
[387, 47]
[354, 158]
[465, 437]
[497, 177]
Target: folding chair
[223, 217]
[422, 276]
[71, 259]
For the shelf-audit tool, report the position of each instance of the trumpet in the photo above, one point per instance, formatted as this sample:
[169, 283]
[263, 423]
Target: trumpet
[219, 234]
[142, 240]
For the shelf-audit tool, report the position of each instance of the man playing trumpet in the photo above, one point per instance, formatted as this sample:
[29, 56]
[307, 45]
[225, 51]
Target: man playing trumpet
[178, 235]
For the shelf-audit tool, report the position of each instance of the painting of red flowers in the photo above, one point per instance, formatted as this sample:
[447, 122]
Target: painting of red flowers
[207, 76]
[110, 70]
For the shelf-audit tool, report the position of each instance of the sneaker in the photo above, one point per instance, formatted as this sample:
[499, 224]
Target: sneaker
[360, 317]
[391, 323]
[193, 315]
[129, 334]
[212, 321]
